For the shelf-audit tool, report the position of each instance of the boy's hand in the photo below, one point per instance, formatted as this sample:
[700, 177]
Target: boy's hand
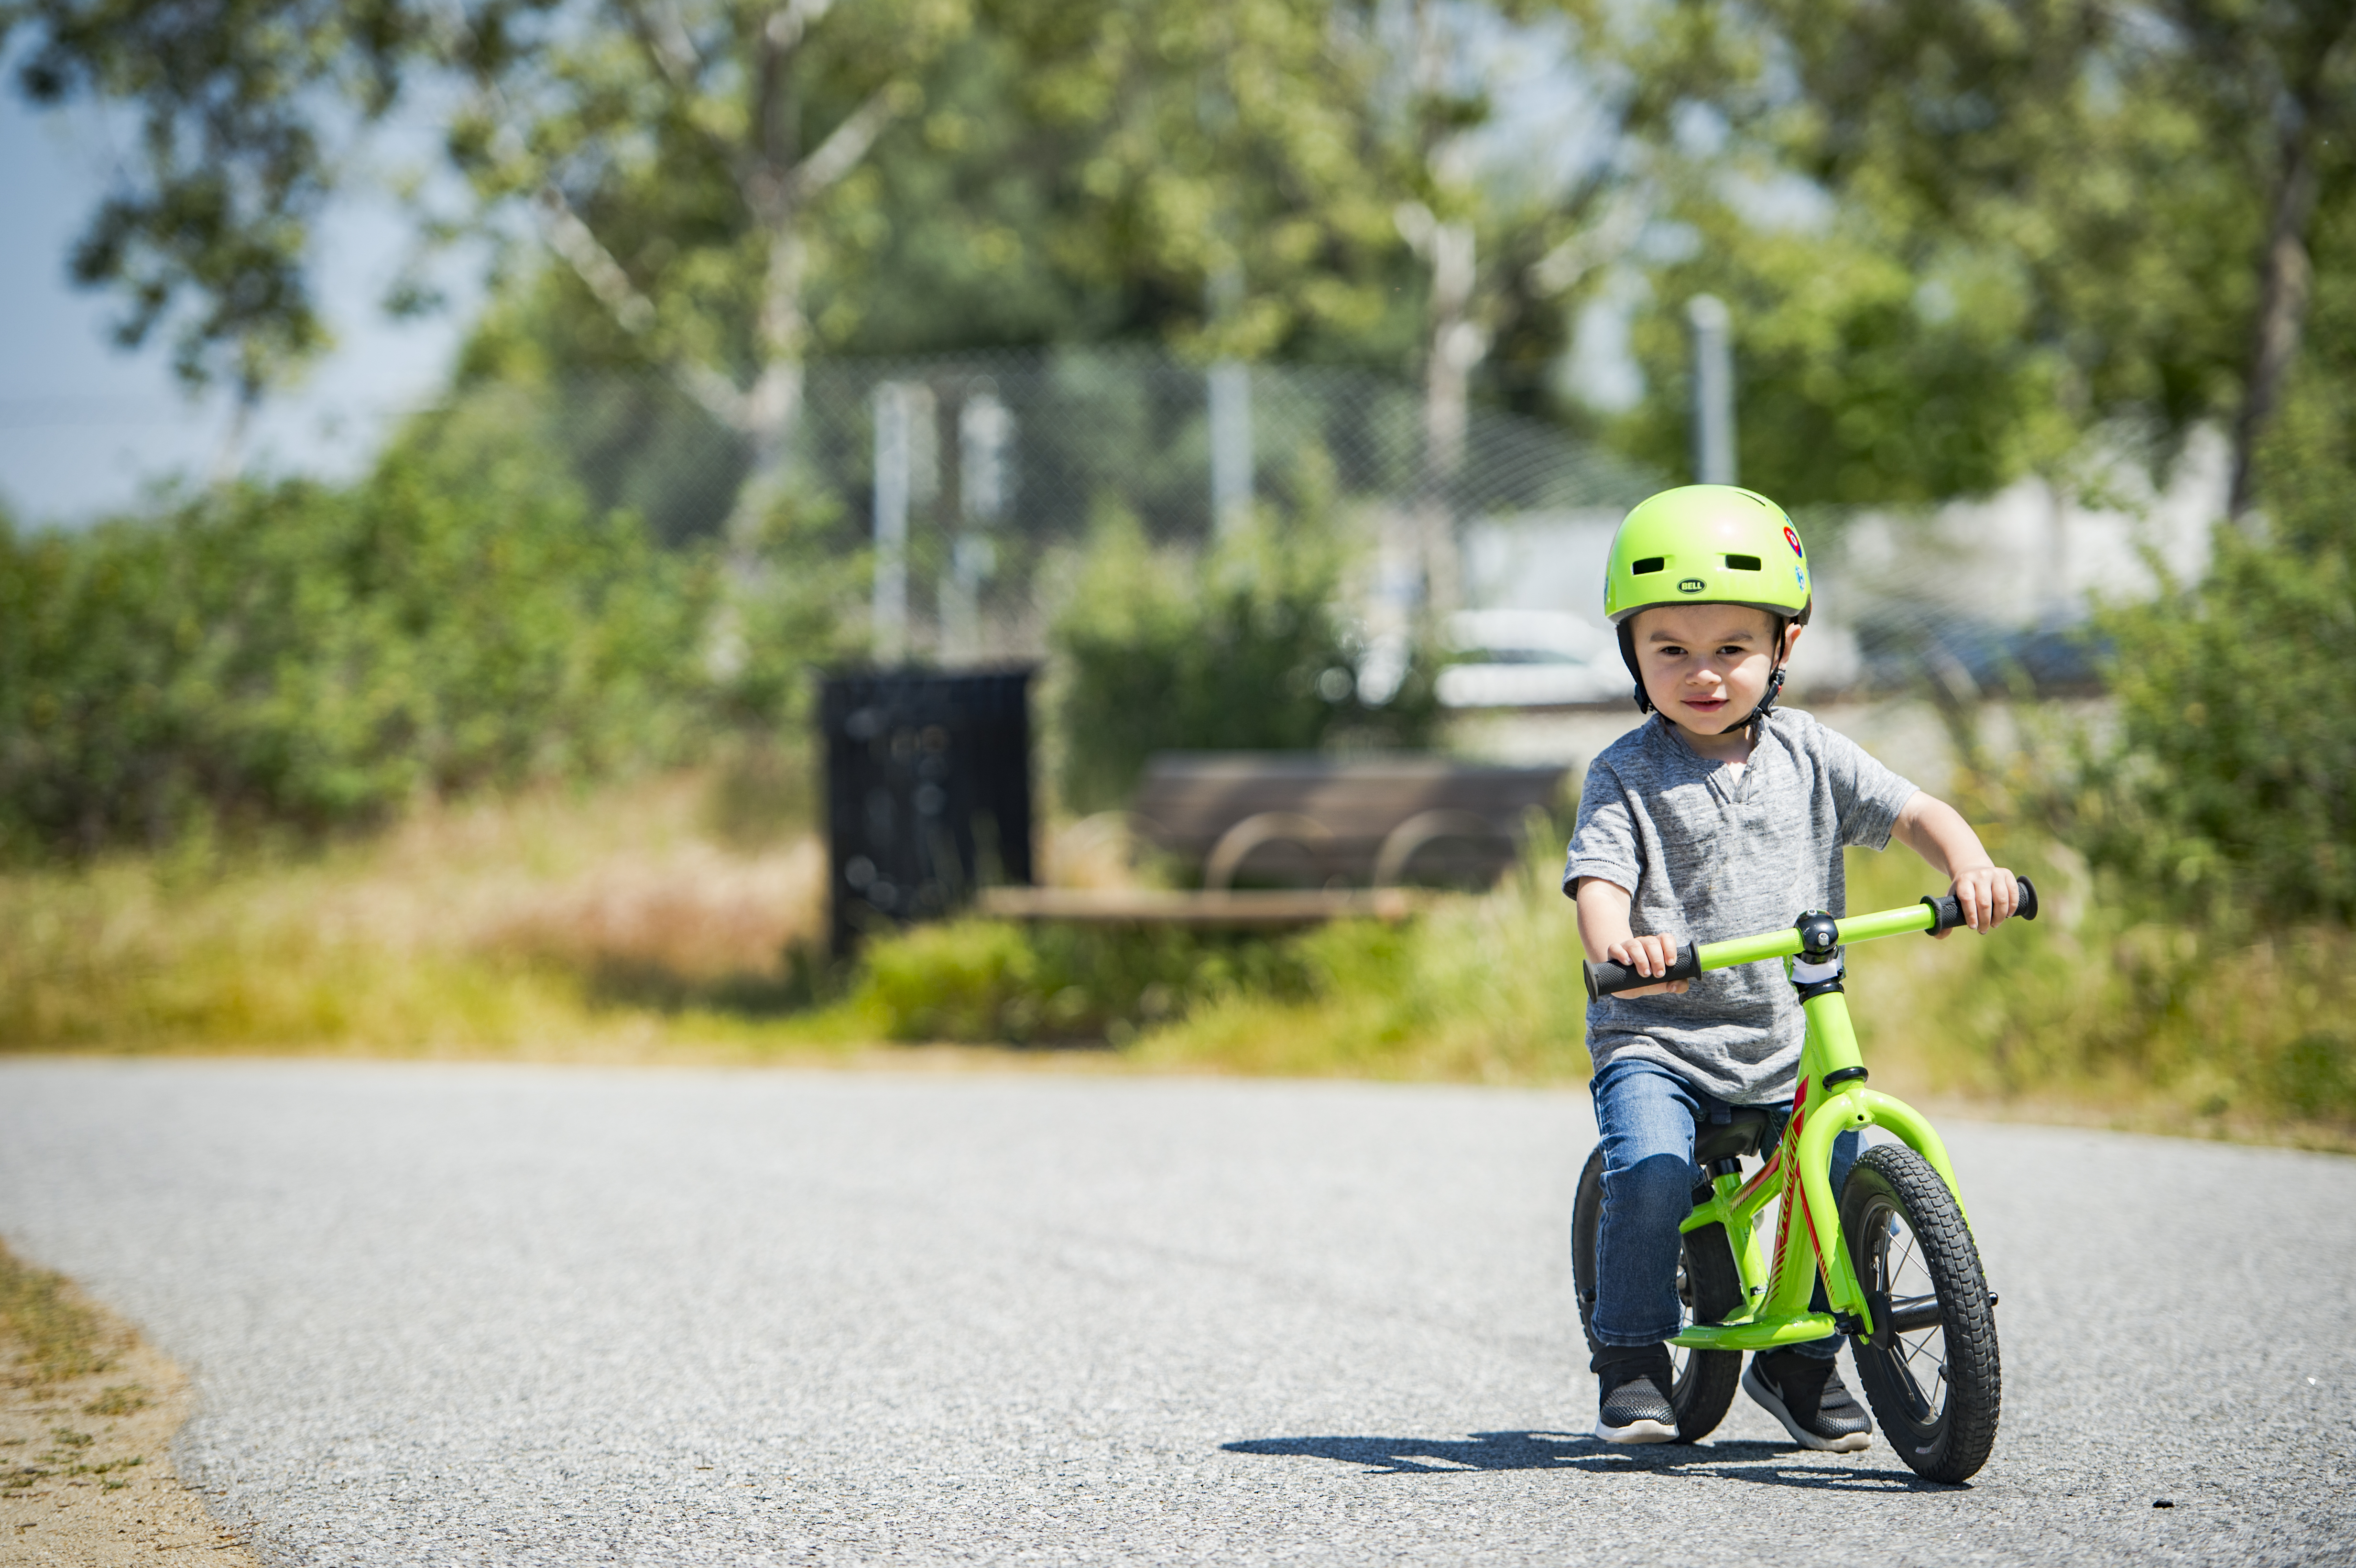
[1647, 955]
[1988, 896]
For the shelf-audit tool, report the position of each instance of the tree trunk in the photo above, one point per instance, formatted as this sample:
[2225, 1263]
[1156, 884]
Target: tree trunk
[2287, 276]
[1457, 345]
[773, 409]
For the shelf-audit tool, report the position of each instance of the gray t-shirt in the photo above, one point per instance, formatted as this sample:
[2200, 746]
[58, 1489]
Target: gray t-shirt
[1711, 852]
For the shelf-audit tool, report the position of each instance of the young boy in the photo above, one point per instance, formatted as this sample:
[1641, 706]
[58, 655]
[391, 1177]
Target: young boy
[1720, 817]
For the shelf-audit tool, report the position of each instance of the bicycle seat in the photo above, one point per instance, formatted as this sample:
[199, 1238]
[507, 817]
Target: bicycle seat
[1714, 1141]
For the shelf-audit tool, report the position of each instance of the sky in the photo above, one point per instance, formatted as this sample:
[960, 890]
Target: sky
[87, 428]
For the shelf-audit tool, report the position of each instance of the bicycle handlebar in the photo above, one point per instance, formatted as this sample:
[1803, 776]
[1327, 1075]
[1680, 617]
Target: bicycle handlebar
[1931, 915]
[1606, 979]
[1950, 913]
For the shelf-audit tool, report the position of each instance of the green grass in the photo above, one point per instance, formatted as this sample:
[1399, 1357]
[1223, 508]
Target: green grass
[1476, 989]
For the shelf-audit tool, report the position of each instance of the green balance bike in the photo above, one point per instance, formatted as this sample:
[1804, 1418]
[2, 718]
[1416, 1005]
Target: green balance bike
[1901, 1274]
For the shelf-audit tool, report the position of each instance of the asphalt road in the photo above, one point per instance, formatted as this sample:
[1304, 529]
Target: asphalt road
[487, 1315]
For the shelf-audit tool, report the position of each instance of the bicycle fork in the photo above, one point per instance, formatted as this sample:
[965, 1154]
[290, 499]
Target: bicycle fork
[1832, 1098]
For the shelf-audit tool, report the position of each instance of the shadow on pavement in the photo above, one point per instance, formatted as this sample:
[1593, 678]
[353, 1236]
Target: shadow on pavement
[1734, 1461]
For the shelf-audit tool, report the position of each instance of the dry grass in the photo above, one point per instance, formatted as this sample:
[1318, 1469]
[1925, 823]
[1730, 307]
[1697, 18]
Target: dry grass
[626, 926]
[2097, 1016]
[551, 923]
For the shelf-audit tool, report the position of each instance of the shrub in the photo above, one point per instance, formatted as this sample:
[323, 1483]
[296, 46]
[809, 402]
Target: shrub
[2102, 998]
[1485, 987]
[981, 980]
[2231, 789]
[1241, 649]
[312, 655]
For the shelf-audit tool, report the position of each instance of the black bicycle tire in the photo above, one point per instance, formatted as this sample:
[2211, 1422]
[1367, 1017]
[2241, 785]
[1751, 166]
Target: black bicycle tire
[1703, 1391]
[1956, 1439]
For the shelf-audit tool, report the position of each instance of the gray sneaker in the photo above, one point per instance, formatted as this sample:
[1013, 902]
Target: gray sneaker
[1633, 1403]
[1806, 1394]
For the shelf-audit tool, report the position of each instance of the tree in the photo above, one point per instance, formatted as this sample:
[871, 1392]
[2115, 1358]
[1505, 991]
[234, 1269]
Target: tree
[1226, 177]
[2230, 787]
[680, 157]
[732, 185]
[207, 232]
[710, 135]
[2132, 182]
[1870, 371]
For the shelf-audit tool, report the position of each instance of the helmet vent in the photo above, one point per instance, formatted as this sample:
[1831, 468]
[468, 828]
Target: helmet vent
[1741, 563]
[1650, 563]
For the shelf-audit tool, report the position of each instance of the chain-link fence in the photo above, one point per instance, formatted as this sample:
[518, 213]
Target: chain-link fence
[974, 471]
[968, 476]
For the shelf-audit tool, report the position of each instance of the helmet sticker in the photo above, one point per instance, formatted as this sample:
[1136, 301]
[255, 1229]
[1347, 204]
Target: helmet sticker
[1692, 585]
[1792, 538]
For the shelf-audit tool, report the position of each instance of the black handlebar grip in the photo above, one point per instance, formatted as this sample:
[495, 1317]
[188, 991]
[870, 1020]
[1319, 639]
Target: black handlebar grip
[1606, 979]
[1946, 914]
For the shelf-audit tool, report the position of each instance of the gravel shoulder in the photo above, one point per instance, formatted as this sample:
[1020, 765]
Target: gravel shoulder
[86, 1473]
[499, 1315]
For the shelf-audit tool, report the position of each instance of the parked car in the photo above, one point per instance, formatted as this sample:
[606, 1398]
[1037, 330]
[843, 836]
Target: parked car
[1529, 659]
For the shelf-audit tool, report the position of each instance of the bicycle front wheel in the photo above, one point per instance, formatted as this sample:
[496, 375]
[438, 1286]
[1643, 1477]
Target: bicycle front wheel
[1930, 1369]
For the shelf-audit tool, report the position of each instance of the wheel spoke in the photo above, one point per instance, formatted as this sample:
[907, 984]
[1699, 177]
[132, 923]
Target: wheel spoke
[1906, 1259]
[1904, 1282]
[1925, 1401]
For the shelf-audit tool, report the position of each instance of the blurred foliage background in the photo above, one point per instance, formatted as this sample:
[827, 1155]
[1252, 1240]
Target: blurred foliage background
[1965, 246]
[1244, 647]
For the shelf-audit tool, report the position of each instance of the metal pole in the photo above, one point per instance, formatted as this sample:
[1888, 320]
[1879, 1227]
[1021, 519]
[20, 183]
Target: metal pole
[1230, 398]
[889, 613]
[985, 430]
[1713, 381]
[1231, 445]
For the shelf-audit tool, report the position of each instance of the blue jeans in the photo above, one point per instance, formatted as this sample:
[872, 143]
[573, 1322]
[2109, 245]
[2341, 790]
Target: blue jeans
[1645, 1114]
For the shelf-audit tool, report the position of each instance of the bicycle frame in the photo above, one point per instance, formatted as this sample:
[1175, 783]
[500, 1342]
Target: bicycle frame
[1777, 1286]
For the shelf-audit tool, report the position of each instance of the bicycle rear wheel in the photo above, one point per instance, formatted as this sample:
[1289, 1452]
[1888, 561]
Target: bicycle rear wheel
[1709, 1287]
[1931, 1370]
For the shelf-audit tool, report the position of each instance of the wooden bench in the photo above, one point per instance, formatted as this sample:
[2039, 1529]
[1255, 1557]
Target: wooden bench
[1363, 822]
[1343, 836]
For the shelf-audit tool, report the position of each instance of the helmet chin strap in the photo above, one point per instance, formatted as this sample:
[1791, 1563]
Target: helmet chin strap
[1758, 715]
[1628, 658]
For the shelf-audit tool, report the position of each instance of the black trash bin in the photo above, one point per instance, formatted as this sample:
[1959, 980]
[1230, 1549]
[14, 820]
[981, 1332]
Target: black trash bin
[927, 793]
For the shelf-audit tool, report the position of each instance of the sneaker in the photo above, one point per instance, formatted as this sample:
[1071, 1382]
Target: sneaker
[1805, 1393]
[1633, 1406]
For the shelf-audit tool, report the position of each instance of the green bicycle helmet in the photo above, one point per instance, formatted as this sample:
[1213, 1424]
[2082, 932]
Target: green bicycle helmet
[1707, 544]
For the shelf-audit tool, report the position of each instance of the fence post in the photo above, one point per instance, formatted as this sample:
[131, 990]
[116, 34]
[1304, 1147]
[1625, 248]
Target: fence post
[889, 615]
[1231, 444]
[1713, 418]
[985, 431]
[1230, 390]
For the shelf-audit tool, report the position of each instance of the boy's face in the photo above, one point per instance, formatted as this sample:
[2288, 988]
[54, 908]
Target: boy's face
[1706, 666]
